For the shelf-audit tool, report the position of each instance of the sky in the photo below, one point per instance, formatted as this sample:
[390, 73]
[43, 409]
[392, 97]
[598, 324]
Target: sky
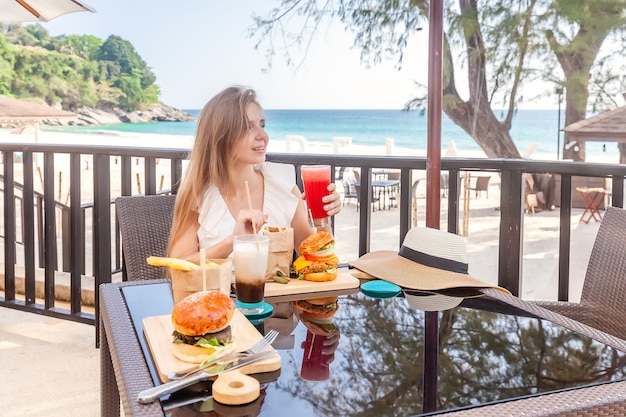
[196, 48]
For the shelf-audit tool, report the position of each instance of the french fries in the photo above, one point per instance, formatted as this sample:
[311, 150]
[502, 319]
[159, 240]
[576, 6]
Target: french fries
[276, 229]
[175, 263]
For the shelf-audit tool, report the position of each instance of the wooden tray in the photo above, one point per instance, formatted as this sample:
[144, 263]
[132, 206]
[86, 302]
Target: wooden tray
[344, 281]
[158, 331]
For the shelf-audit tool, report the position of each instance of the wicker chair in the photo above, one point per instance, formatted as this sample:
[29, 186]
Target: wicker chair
[145, 223]
[482, 184]
[603, 299]
[348, 191]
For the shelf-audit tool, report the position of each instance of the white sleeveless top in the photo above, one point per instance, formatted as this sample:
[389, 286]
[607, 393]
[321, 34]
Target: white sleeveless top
[215, 221]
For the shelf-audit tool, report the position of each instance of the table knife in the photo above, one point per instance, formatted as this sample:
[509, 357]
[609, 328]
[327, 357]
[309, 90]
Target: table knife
[151, 394]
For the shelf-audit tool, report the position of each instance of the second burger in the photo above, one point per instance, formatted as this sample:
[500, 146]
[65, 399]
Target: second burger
[317, 261]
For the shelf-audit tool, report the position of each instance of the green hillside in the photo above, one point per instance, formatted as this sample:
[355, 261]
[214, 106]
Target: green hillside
[74, 70]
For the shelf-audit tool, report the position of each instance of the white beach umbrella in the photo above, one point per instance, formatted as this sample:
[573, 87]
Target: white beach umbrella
[39, 10]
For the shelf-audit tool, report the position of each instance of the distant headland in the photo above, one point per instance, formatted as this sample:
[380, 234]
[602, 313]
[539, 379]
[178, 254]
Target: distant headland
[151, 113]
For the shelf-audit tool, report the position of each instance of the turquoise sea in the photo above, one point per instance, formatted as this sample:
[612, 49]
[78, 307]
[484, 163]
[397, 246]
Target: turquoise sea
[373, 127]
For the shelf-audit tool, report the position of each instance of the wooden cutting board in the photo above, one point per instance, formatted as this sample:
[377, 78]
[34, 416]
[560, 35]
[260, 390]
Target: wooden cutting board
[344, 281]
[158, 331]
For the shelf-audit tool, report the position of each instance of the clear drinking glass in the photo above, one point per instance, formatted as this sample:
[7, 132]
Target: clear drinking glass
[316, 179]
[250, 253]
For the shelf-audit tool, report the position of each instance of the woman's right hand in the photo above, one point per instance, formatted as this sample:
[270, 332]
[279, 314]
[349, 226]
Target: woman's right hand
[246, 219]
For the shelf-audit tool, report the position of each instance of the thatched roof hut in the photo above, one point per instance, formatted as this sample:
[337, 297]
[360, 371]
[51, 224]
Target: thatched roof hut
[609, 126]
[18, 112]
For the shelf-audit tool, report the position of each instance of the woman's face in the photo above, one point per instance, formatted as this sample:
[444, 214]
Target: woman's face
[251, 148]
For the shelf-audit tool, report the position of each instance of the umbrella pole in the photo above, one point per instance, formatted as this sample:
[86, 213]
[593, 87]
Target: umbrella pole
[433, 187]
[433, 149]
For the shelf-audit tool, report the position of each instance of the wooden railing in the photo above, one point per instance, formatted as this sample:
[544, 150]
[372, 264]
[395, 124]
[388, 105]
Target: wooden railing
[89, 242]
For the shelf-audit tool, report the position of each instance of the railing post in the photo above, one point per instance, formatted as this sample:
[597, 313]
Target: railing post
[617, 192]
[65, 239]
[453, 200]
[28, 229]
[150, 175]
[50, 236]
[365, 214]
[9, 227]
[176, 172]
[406, 182]
[511, 236]
[76, 235]
[102, 227]
[126, 176]
[565, 231]
[40, 231]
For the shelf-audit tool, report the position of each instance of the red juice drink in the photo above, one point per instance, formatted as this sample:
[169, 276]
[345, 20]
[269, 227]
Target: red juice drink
[316, 179]
[315, 364]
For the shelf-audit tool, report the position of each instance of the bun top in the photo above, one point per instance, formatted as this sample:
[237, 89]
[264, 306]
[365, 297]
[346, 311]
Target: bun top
[315, 242]
[323, 300]
[203, 312]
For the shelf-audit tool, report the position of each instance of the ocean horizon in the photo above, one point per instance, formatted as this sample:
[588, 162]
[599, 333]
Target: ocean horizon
[373, 128]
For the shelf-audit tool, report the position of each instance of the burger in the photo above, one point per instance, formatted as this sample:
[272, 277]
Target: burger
[317, 261]
[201, 326]
[317, 309]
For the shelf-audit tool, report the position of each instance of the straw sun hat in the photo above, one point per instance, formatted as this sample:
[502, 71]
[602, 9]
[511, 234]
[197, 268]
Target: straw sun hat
[429, 260]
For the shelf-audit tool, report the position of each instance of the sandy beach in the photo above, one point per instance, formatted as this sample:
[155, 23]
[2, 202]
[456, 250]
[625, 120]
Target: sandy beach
[541, 230]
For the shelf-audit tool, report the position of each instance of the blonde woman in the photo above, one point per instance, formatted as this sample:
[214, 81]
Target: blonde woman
[212, 203]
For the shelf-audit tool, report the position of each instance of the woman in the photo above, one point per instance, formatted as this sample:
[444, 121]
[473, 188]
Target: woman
[212, 202]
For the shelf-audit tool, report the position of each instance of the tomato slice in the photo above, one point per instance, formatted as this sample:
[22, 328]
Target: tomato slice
[316, 258]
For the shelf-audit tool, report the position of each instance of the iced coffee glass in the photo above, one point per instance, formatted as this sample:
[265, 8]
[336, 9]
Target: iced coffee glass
[250, 254]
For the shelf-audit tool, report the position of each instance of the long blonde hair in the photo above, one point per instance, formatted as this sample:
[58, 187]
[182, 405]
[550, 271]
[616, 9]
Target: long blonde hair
[221, 124]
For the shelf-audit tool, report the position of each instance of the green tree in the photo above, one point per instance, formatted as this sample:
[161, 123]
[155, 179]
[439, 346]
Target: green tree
[497, 47]
[85, 46]
[133, 93]
[74, 70]
[135, 73]
[575, 33]
[19, 35]
[6, 67]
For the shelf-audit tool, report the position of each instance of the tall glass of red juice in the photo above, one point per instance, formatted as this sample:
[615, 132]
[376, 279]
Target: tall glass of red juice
[316, 179]
[315, 364]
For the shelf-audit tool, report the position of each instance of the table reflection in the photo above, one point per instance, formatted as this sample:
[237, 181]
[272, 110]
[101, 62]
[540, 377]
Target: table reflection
[483, 356]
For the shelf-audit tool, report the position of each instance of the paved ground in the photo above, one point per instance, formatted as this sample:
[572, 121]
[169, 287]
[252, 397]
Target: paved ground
[49, 365]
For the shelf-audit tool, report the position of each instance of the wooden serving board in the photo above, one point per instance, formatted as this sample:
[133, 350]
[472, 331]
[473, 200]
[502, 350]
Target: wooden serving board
[158, 331]
[344, 281]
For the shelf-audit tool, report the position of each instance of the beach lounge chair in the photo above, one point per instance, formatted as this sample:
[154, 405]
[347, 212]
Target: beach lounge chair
[603, 300]
[145, 222]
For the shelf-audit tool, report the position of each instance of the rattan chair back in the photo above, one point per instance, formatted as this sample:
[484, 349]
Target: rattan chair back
[145, 223]
[603, 299]
[605, 280]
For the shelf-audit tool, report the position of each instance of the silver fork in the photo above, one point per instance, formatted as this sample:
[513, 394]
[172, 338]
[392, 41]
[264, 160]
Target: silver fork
[258, 347]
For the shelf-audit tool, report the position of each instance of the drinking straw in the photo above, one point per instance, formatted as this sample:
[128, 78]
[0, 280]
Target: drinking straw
[308, 356]
[203, 267]
[311, 218]
[256, 239]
